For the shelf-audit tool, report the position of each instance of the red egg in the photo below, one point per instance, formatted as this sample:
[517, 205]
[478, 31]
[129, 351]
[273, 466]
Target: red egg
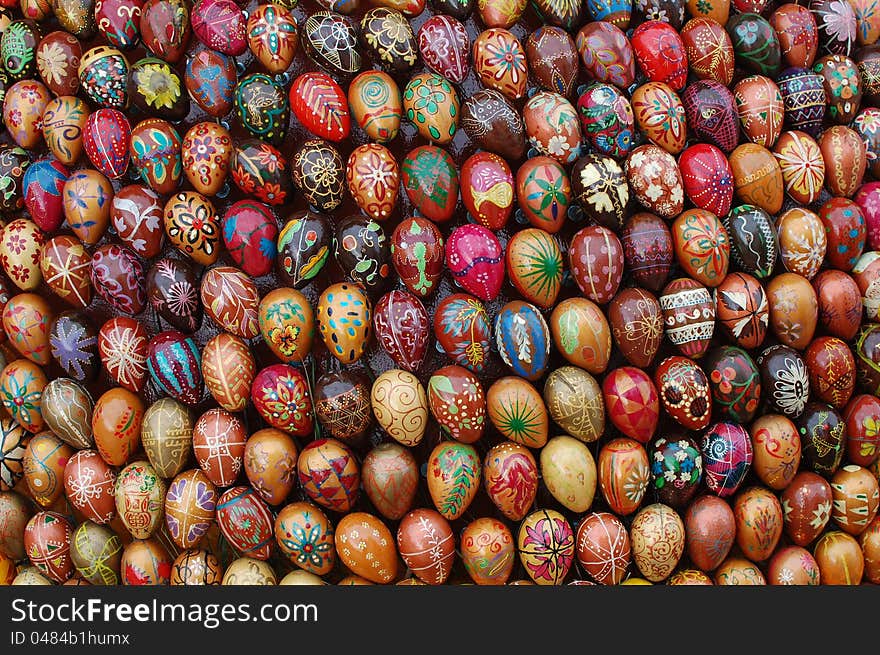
[832, 370]
[401, 326]
[710, 527]
[707, 178]
[792, 565]
[840, 302]
[684, 392]
[862, 416]
[661, 53]
[806, 504]
[319, 103]
[329, 474]
[636, 325]
[845, 157]
[246, 522]
[457, 402]
[417, 254]
[89, 485]
[689, 315]
[281, 395]
[426, 544]
[741, 310]
[631, 402]
[218, 443]
[596, 261]
[624, 475]
[106, 139]
[475, 258]
[603, 547]
[510, 476]
[47, 543]
[122, 344]
[487, 189]
[709, 50]
[845, 232]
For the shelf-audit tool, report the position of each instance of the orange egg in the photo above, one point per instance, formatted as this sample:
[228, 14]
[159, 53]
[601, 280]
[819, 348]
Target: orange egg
[228, 369]
[758, 517]
[757, 177]
[304, 535]
[856, 496]
[793, 565]
[116, 424]
[510, 476]
[366, 546]
[145, 562]
[44, 461]
[26, 320]
[840, 560]
[776, 450]
[581, 334]
[287, 324]
[794, 309]
[517, 411]
[657, 537]
[739, 571]
[487, 551]
[802, 241]
[270, 464]
[21, 391]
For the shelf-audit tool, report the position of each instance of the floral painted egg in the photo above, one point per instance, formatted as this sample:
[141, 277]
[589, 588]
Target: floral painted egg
[462, 330]
[735, 383]
[87, 203]
[553, 59]
[844, 154]
[802, 241]
[43, 461]
[303, 248]
[758, 522]
[709, 50]
[119, 22]
[739, 571]
[157, 90]
[755, 43]
[166, 434]
[155, 154]
[417, 254]
[246, 522]
[103, 76]
[220, 25]
[574, 401]
[710, 527]
[727, 457]
[66, 407]
[64, 120]
[606, 53]
[806, 505]
[432, 104]
[741, 310]
[400, 405]
[136, 215]
[330, 40]
[757, 177]
[430, 179]
[361, 251]
[522, 339]
[793, 565]
[599, 185]
[603, 547]
[655, 180]
[401, 326]
[510, 476]
[624, 474]
[793, 309]
[172, 289]
[657, 536]
[107, 139]
[27, 321]
[855, 498]
[552, 127]
[317, 171]
[636, 325]
[389, 38]
[707, 178]
[13, 444]
[165, 28]
[320, 105]
[785, 380]
[607, 119]
[684, 392]
[546, 546]
[140, 499]
[842, 84]
[390, 477]
[270, 464]
[376, 105]
[281, 395]
[487, 551]
[702, 246]
[373, 177]
[660, 53]
[190, 507]
[366, 547]
[262, 107]
[453, 474]
[862, 440]
[118, 277]
[249, 232]
[836, 26]
[43, 183]
[210, 78]
[760, 109]
[21, 243]
[116, 425]
[500, 62]
[122, 344]
[65, 267]
[676, 469]
[832, 370]
[193, 227]
[517, 411]
[13, 163]
[218, 441]
[47, 539]
[660, 115]
[543, 191]
[19, 47]
[304, 535]
[344, 320]
[823, 435]
[631, 400]
[795, 28]
[689, 316]
[596, 261]
[777, 450]
[866, 124]
[866, 198]
[228, 369]
[672, 12]
[444, 46]
[457, 402]
[582, 334]
[206, 150]
[475, 258]
[803, 96]
[249, 571]
[23, 108]
[329, 474]
[231, 300]
[21, 389]
[175, 366]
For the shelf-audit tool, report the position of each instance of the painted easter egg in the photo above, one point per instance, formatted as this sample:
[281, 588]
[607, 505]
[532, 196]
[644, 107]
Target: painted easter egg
[684, 392]
[636, 325]
[417, 254]
[27, 321]
[246, 522]
[624, 475]
[116, 424]
[802, 241]
[262, 108]
[376, 105]
[727, 457]
[366, 546]
[803, 96]
[117, 276]
[603, 547]
[522, 338]
[172, 290]
[795, 28]
[430, 179]
[401, 325]
[210, 78]
[517, 411]
[47, 543]
[793, 309]
[432, 104]
[329, 474]
[607, 119]
[344, 320]
[709, 50]
[218, 441]
[581, 334]
[140, 499]
[193, 227]
[231, 300]
[361, 249]
[281, 395]
[689, 316]
[606, 53]
[546, 545]
[196, 567]
[475, 258]
[228, 369]
[596, 261]
[342, 404]
[190, 507]
[735, 383]
[676, 469]
[304, 535]
[65, 266]
[510, 475]
[832, 370]
[657, 537]
[390, 477]
[487, 551]
[823, 436]
[710, 527]
[122, 345]
[44, 460]
[66, 407]
[707, 178]
[206, 151]
[166, 435]
[21, 243]
[330, 40]
[21, 389]
[785, 380]
[174, 363]
[453, 474]
[309, 168]
[269, 463]
[493, 123]
[487, 189]
[136, 215]
[574, 401]
[599, 185]
[287, 324]
[741, 310]
[23, 107]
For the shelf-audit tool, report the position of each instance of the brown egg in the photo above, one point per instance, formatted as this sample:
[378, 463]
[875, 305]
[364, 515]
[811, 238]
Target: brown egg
[193, 227]
[776, 450]
[304, 535]
[390, 476]
[196, 567]
[569, 472]
[840, 303]
[710, 527]
[426, 545]
[231, 300]
[658, 537]
[190, 507]
[140, 499]
[870, 543]
[27, 319]
[802, 166]
[44, 461]
[794, 309]
[624, 474]
[840, 559]
[166, 434]
[342, 404]
[574, 401]
[843, 152]
[400, 406]
[802, 241]
[15, 512]
[757, 177]
[249, 571]
[581, 334]
[145, 562]
[689, 577]
[636, 325]
[603, 547]
[510, 476]
[792, 565]
[702, 246]
[218, 443]
[228, 369]
[116, 424]
[806, 504]
[270, 464]
[287, 324]
[760, 108]
[64, 120]
[206, 151]
[758, 523]
[47, 542]
[856, 496]
[90, 486]
[739, 571]
[517, 411]
[65, 266]
[365, 545]
[487, 551]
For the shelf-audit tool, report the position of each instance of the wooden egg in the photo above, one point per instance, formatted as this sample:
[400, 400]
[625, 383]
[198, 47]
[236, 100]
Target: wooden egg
[206, 152]
[196, 567]
[400, 322]
[118, 277]
[760, 108]
[390, 478]
[366, 546]
[193, 227]
[426, 544]
[305, 536]
[438, 119]
[23, 108]
[606, 53]
[839, 298]
[607, 122]
[453, 477]
[461, 327]
[776, 450]
[624, 475]
[47, 542]
[43, 462]
[689, 577]
[522, 339]
[249, 571]
[281, 395]
[867, 370]
[707, 178]
[802, 241]
[832, 370]
[796, 30]
[228, 369]
[90, 486]
[806, 504]
[676, 469]
[13, 442]
[862, 439]
[636, 325]
[475, 258]
[249, 231]
[632, 403]
[65, 267]
[870, 543]
[534, 266]
[599, 185]
[15, 512]
[657, 537]
[793, 309]
[710, 108]
[362, 252]
[739, 571]
[21, 243]
[757, 177]
[710, 527]
[574, 400]
[546, 546]
[140, 499]
[96, 552]
[855, 498]
[166, 435]
[603, 547]
[845, 230]
[864, 275]
[21, 389]
[793, 565]
[344, 320]
[400, 405]
[373, 178]
[517, 411]
[190, 507]
[246, 522]
[26, 321]
[823, 434]
[328, 472]
[655, 180]
[727, 457]
[702, 246]
[735, 383]
[596, 262]
[660, 115]
[417, 254]
[648, 250]
[684, 392]
[376, 104]
[260, 170]
[287, 324]
[270, 464]
[175, 366]
[457, 402]
[840, 559]
[487, 551]
[136, 215]
[433, 193]
[231, 300]
[145, 562]
[843, 152]
[741, 309]
[689, 316]
[581, 334]
[802, 166]
[758, 523]
[218, 441]
[569, 472]
[510, 476]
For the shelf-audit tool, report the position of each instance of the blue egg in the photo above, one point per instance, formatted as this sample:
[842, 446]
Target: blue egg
[523, 339]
